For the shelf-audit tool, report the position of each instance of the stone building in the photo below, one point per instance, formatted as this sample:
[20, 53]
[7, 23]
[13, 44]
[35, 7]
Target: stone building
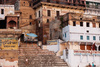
[10, 2]
[8, 19]
[81, 35]
[46, 10]
[9, 35]
[9, 22]
[27, 17]
[81, 28]
[62, 21]
[92, 7]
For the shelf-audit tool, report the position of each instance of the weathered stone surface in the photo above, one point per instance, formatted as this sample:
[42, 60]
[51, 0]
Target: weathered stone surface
[38, 57]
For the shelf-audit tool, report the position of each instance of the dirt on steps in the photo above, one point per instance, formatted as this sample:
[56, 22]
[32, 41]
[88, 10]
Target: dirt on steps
[38, 57]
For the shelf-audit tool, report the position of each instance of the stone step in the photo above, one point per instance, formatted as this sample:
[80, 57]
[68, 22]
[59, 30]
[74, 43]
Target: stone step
[38, 57]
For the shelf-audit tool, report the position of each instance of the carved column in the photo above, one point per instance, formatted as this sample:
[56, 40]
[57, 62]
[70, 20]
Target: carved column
[79, 45]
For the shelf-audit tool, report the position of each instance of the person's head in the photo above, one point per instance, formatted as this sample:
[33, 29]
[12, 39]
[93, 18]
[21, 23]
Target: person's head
[89, 64]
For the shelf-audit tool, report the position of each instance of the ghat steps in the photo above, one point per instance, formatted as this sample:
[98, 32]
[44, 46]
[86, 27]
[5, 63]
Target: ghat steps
[38, 57]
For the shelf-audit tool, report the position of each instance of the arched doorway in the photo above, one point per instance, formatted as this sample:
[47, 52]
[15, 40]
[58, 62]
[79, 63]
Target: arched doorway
[12, 24]
[95, 47]
[2, 24]
[99, 48]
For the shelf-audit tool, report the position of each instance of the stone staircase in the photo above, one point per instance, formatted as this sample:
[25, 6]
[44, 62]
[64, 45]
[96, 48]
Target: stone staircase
[38, 57]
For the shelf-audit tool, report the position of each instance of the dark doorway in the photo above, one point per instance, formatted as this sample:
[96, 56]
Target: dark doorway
[89, 47]
[57, 13]
[2, 24]
[99, 48]
[22, 38]
[95, 47]
[12, 24]
[82, 46]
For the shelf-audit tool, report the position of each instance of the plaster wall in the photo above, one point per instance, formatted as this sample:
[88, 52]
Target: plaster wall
[81, 60]
[76, 31]
[8, 9]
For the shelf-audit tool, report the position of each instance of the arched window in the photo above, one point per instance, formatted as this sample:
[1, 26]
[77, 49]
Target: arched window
[12, 24]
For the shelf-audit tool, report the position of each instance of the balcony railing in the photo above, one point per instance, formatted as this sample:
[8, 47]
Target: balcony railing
[86, 52]
[59, 2]
[93, 6]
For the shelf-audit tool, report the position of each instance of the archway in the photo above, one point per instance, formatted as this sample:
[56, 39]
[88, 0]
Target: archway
[99, 48]
[95, 47]
[12, 24]
[2, 24]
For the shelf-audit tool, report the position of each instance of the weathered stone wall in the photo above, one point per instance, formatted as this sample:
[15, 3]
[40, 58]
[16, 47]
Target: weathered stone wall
[44, 16]
[26, 11]
[10, 2]
[69, 18]
[14, 19]
[9, 58]
[8, 9]
[53, 10]
[27, 14]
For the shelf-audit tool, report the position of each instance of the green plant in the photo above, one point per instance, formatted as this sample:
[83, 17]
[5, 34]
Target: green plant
[61, 25]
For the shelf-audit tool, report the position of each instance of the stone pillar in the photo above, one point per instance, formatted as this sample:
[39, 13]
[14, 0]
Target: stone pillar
[69, 45]
[16, 24]
[81, 58]
[7, 23]
[79, 45]
[97, 47]
[72, 45]
[64, 54]
[93, 58]
[87, 57]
